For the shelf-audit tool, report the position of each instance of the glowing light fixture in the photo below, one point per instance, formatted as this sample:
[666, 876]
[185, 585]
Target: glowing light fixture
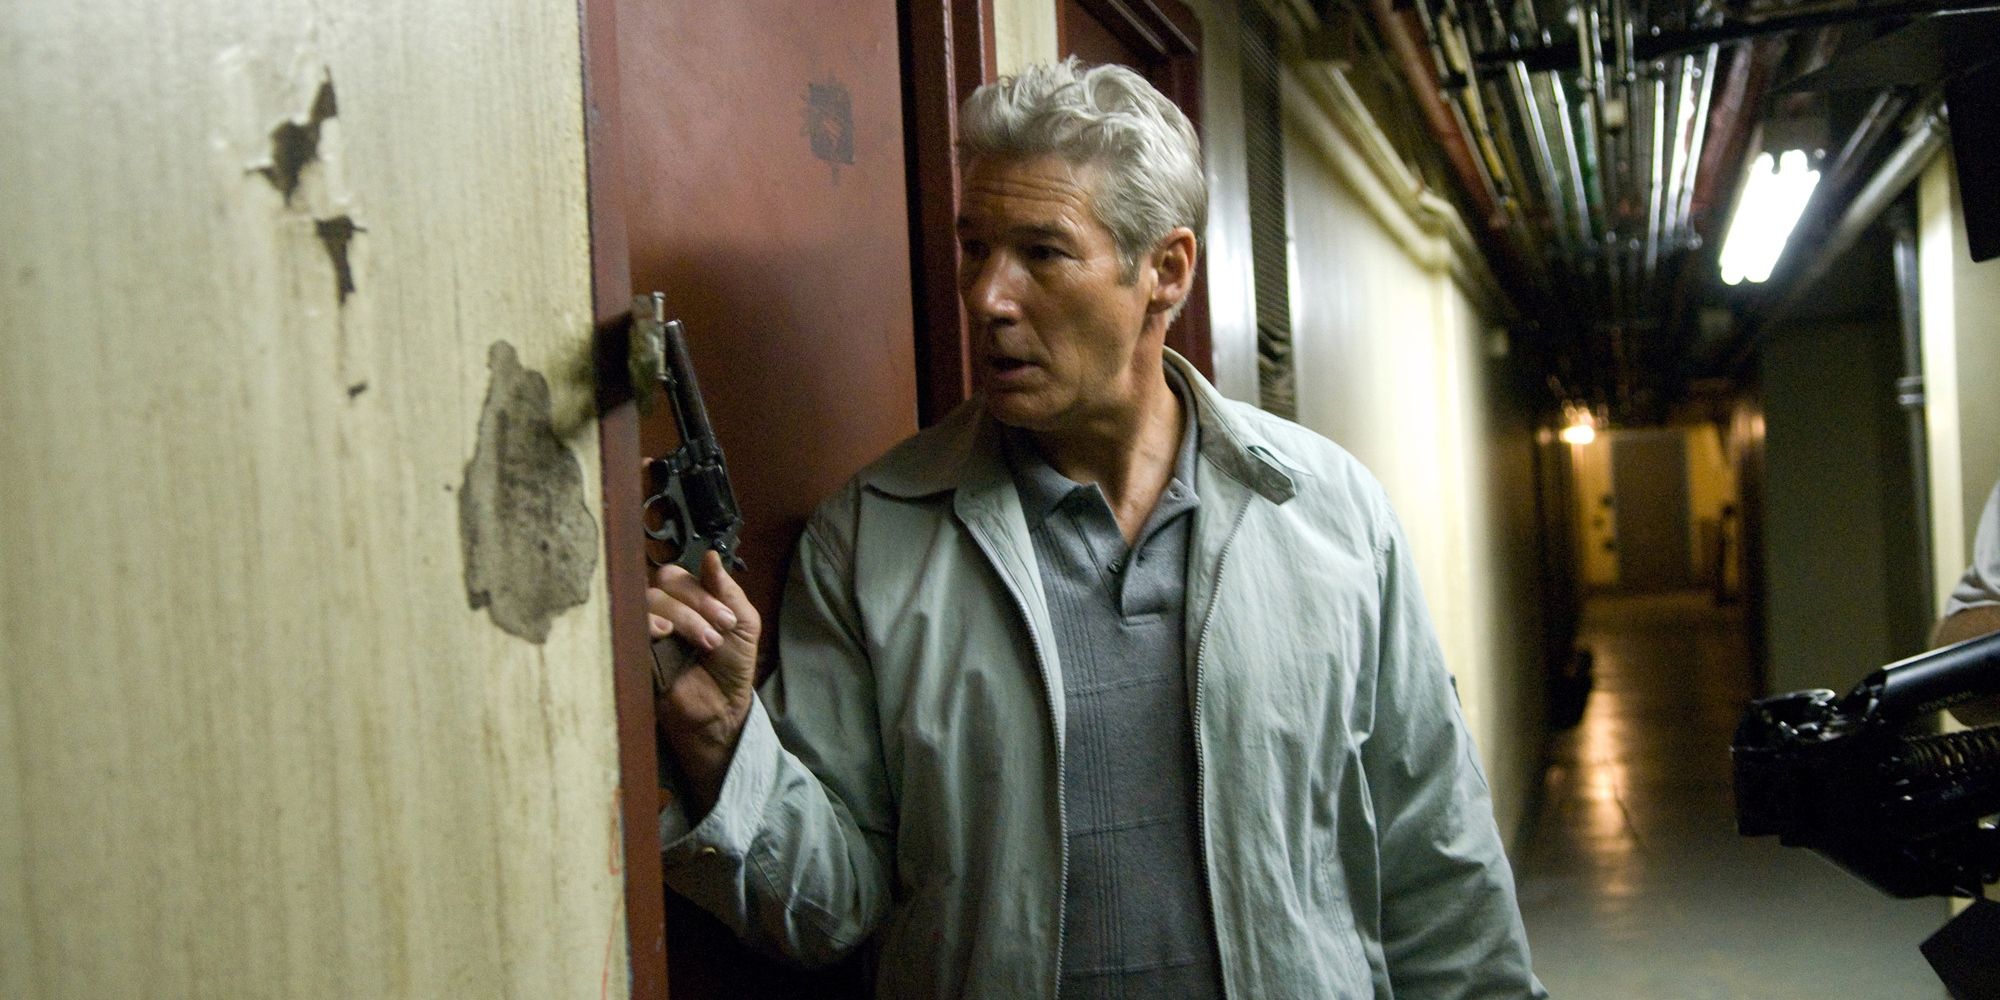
[1582, 427]
[1769, 208]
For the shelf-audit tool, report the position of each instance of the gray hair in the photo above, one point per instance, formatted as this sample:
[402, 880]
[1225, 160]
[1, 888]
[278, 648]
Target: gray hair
[1103, 116]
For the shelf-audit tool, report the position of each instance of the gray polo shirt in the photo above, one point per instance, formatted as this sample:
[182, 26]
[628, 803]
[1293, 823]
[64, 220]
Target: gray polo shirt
[1136, 915]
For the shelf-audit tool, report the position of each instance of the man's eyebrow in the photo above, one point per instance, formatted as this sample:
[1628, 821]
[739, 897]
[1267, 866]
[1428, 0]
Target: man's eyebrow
[1025, 231]
[1040, 232]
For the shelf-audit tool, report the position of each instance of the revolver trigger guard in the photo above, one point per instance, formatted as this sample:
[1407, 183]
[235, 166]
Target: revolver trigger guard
[675, 524]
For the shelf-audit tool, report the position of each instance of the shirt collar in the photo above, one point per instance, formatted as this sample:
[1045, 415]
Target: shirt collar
[1043, 489]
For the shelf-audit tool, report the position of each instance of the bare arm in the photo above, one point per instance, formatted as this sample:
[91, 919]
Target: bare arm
[1971, 623]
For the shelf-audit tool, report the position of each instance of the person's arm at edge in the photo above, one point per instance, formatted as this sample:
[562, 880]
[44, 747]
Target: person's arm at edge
[1971, 623]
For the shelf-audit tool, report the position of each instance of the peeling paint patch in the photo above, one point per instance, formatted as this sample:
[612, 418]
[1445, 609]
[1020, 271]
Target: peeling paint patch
[336, 233]
[295, 144]
[530, 540]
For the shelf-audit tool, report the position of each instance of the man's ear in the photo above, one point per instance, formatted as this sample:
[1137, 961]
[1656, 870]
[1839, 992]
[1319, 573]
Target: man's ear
[1173, 263]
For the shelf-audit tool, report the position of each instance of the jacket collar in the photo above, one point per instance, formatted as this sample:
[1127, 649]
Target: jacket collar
[963, 452]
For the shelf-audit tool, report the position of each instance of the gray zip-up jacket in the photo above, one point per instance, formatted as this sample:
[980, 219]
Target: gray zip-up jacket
[900, 774]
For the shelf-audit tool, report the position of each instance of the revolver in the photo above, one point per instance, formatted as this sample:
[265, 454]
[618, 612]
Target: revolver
[689, 493]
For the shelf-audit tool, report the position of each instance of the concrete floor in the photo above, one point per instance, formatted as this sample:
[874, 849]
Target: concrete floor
[1634, 883]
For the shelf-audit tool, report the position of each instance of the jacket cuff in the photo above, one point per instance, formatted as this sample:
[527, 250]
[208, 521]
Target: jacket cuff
[725, 834]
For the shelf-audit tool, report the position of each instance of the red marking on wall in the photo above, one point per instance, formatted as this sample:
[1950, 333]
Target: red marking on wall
[617, 831]
[610, 951]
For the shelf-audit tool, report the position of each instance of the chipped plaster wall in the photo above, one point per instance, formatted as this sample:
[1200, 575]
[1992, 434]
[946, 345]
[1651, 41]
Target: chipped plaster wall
[256, 738]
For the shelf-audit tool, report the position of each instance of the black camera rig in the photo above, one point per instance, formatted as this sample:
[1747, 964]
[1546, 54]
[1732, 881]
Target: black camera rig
[1858, 780]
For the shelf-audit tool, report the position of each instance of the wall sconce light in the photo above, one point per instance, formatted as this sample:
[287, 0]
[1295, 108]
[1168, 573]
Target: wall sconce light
[1581, 426]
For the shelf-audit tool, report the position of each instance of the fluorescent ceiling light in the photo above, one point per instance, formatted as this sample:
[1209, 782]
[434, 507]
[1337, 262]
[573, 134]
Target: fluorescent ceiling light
[1765, 215]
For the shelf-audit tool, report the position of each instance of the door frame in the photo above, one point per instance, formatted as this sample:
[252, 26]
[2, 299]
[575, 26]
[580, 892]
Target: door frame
[638, 857]
[947, 53]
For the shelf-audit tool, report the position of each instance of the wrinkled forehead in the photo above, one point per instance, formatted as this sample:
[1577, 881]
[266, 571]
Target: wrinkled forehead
[1034, 191]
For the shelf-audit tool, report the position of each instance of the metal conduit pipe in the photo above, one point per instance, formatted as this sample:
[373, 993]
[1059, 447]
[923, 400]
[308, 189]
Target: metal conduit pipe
[1925, 140]
[1672, 91]
[1522, 174]
[1538, 143]
[1519, 87]
[1677, 169]
[1566, 215]
[1419, 73]
[1465, 111]
[1910, 388]
[1672, 43]
[1590, 84]
[1685, 200]
[1579, 201]
[1450, 32]
[1656, 182]
[1875, 124]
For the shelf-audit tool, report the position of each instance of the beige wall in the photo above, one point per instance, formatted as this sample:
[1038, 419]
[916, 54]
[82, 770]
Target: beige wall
[254, 738]
[1830, 478]
[1024, 31]
[1392, 365]
[1961, 337]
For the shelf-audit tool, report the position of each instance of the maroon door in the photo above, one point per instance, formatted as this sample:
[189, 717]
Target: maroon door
[766, 196]
[764, 191]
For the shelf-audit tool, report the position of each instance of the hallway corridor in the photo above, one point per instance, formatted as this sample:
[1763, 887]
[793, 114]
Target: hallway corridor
[1634, 883]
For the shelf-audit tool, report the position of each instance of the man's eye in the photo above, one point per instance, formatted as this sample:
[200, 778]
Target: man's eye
[1044, 251]
[972, 249]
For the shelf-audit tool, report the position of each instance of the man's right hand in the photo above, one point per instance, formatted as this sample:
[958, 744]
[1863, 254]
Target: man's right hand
[711, 670]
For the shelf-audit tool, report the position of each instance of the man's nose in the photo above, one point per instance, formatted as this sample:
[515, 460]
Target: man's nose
[991, 291]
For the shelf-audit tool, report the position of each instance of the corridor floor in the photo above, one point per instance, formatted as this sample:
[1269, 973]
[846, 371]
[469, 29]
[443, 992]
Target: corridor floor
[1634, 883]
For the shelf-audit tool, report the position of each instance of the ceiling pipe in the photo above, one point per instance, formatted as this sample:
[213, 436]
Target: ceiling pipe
[1673, 43]
[1561, 190]
[1684, 199]
[1504, 249]
[1657, 167]
[1544, 157]
[1572, 159]
[1876, 123]
[1732, 118]
[1420, 74]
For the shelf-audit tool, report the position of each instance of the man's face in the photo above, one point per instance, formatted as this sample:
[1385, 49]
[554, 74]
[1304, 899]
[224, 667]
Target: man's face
[1057, 335]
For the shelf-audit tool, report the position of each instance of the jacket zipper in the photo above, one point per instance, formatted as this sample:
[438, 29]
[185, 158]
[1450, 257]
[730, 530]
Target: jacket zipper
[1200, 758]
[1062, 806]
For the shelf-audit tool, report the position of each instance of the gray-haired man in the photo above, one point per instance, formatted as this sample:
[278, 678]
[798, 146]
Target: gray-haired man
[1105, 685]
